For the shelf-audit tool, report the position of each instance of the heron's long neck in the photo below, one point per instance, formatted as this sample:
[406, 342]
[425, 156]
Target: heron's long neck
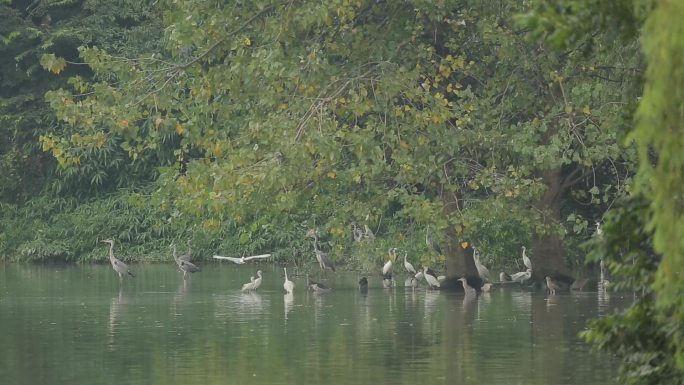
[189, 248]
[175, 257]
[111, 251]
[286, 275]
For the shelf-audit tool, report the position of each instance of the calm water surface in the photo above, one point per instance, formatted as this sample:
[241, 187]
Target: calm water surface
[75, 325]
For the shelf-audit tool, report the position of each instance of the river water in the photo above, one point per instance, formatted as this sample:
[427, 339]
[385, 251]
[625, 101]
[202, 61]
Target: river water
[78, 325]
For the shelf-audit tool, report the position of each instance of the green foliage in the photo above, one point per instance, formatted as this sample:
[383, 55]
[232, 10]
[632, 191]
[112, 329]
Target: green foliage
[659, 136]
[316, 115]
[640, 335]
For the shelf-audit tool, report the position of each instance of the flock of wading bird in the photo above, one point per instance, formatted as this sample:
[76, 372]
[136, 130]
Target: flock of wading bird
[432, 279]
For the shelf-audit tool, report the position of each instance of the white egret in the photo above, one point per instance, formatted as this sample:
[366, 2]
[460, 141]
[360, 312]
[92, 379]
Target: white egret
[288, 285]
[387, 268]
[430, 278]
[241, 260]
[408, 266]
[522, 276]
[257, 282]
[249, 285]
[526, 259]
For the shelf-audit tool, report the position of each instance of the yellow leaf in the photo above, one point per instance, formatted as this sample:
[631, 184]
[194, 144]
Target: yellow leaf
[179, 129]
[158, 122]
[218, 151]
[123, 123]
[435, 119]
[464, 245]
[586, 110]
[509, 193]
[404, 145]
[247, 42]
[568, 109]
[332, 174]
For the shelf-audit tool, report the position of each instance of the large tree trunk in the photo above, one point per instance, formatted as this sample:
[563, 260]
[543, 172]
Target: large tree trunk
[547, 254]
[457, 250]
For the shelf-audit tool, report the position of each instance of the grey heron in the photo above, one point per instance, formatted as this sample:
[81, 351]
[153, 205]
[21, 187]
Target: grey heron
[526, 259]
[188, 267]
[183, 262]
[469, 290]
[323, 259]
[487, 287]
[118, 266]
[288, 285]
[187, 257]
[431, 243]
[553, 285]
[482, 271]
[241, 260]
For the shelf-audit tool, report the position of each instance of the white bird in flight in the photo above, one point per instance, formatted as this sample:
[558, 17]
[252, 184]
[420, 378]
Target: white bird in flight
[241, 260]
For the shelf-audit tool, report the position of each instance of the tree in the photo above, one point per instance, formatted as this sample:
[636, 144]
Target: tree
[351, 111]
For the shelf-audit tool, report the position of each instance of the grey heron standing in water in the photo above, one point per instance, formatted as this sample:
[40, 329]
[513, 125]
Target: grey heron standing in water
[118, 266]
[469, 290]
[323, 259]
[482, 270]
[183, 262]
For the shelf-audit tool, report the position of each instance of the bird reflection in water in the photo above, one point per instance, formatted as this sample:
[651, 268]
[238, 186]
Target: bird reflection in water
[288, 300]
[431, 297]
[116, 306]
